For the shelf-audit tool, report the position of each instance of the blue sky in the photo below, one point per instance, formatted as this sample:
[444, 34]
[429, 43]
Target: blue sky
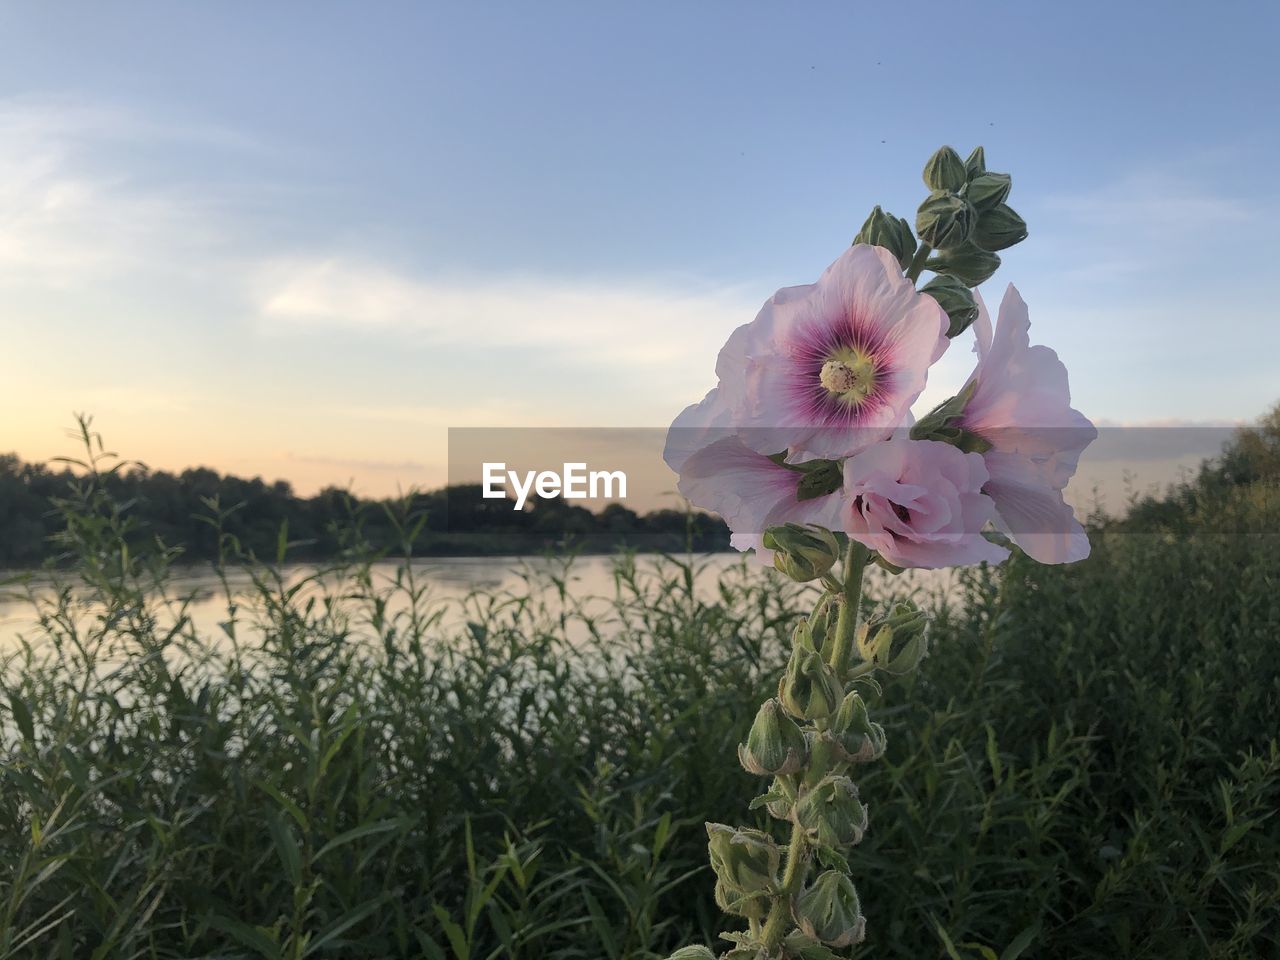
[302, 240]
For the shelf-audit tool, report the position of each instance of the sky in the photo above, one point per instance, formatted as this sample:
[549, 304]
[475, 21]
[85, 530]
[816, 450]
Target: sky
[303, 240]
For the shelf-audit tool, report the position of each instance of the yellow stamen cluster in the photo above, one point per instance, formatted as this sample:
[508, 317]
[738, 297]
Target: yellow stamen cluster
[849, 375]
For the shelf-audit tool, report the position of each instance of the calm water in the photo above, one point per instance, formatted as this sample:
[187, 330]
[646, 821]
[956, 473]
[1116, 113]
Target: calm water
[449, 581]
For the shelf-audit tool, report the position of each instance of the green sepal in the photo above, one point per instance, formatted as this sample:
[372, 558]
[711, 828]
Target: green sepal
[976, 163]
[956, 300]
[945, 170]
[999, 228]
[945, 220]
[806, 948]
[821, 477]
[968, 263]
[943, 423]
[989, 190]
[892, 233]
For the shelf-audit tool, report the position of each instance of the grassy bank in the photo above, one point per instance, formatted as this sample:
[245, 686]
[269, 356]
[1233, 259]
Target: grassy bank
[1086, 766]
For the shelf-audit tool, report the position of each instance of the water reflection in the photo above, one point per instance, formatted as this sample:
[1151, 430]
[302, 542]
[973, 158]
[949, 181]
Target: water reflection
[449, 582]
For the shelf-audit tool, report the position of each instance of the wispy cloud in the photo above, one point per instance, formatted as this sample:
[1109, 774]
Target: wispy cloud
[1145, 219]
[68, 212]
[632, 323]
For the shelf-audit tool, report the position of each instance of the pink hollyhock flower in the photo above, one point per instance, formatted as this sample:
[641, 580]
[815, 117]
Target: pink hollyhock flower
[828, 368]
[750, 491]
[919, 503]
[1021, 405]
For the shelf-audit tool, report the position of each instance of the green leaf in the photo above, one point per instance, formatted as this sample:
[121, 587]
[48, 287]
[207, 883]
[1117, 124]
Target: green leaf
[1020, 943]
[255, 938]
[286, 848]
[22, 717]
[356, 833]
[457, 939]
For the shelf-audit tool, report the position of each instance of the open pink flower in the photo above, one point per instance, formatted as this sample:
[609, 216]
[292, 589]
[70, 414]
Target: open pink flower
[1021, 405]
[828, 368]
[749, 491]
[919, 503]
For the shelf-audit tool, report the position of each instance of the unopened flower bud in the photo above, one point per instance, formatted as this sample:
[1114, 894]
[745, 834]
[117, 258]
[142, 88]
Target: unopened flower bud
[956, 299]
[809, 689]
[945, 220]
[944, 171]
[822, 625]
[976, 163]
[893, 233]
[830, 813]
[828, 910]
[999, 228]
[802, 552]
[746, 952]
[989, 190]
[968, 263]
[692, 953]
[775, 744]
[895, 642]
[746, 864]
[780, 804]
[857, 737]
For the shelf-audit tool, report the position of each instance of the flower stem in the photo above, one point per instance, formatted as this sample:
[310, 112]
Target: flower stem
[855, 563]
[917, 262]
[793, 875]
[775, 927]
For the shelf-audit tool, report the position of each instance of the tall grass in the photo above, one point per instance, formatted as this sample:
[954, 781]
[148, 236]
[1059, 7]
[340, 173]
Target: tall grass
[1086, 766]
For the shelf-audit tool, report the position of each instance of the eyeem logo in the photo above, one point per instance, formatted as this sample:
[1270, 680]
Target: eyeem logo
[574, 482]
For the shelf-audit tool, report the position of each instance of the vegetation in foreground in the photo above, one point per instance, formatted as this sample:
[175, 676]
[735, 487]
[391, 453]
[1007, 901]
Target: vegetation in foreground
[1085, 767]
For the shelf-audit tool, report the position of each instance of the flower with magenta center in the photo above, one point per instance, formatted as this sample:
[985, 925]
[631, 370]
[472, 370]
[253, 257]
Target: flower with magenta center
[826, 369]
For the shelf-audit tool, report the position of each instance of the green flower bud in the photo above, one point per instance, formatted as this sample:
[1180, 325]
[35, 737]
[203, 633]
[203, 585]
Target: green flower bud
[780, 805]
[828, 910]
[976, 163]
[809, 690]
[956, 299]
[893, 233]
[822, 625]
[746, 952]
[968, 263]
[775, 745]
[803, 553]
[803, 947]
[988, 190]
[945, 220]
[857, 738]
[999, 228]
[895, 642]
[746, 864]
[945, 171]
[692, 953]
[830, 814]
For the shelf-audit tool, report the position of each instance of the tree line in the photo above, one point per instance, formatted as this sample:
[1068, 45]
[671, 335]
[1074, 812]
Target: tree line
[200, 508]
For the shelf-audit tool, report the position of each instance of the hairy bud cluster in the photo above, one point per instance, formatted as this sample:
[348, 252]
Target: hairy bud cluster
[965, 219]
